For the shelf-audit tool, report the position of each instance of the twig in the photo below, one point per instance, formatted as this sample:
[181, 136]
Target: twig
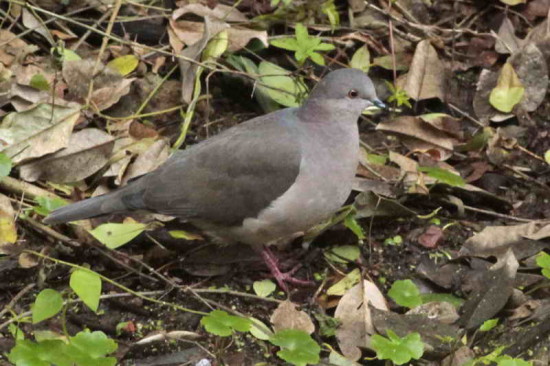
[16, 298]
[19, 187]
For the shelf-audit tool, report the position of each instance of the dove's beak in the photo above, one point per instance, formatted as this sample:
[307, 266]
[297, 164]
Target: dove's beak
[377, 102]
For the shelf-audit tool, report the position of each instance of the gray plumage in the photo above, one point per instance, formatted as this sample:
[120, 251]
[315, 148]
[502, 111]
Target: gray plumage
[261, 182]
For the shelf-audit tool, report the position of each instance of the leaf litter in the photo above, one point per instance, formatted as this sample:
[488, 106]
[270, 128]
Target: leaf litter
[461, 171]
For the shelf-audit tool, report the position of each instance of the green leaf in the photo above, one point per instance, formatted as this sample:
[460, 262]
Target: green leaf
[398, 350]
[29, 353]
[547, 156]
[329, 9]
[513, 2]
[264, 288]
[216, 46]
[361, 59]
[279, 86]
[405, 293]
[90, 348]
[444, 176]
[116, 235]
[340, 287]
[219, 323]
[508, 92]
[285, 43]
[297, 347]
[39, 82]
[488, 325]
[451, 299]
[351, 223]
[47, 304]
[69, 55]
[509, 361]
[5, 165]
[48, 204]
[259, 330]
[124, 64]
[543, 261]
[343, 253]
[181, 234]
[87, 285]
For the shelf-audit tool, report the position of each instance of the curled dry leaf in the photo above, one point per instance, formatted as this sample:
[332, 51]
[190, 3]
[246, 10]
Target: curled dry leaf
[37, 131]
[286, 316]
[507, 42]
[13, 48]
[88, 151]
[496, 240]
[354, 313]
[425, 78]
[148, 160]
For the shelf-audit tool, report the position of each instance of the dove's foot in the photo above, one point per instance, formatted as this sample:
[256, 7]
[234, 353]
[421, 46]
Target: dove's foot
[282, 278]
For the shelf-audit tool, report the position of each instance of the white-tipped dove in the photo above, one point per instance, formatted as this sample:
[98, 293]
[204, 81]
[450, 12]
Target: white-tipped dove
[263, 182]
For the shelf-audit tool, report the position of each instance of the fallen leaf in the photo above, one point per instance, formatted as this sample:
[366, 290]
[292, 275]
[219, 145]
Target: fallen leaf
[354, 313]
[513, 2]
[342, 286]
[109, 85]
[507, 42]
[277, 83]
[148, 160]
[220, 11]
[37, 131]
[31, 22]
[425, 78]
[441, 311]
[88, 151]
[430, 237]
[124, 64]
[508, 91]
[361, 59]
[286, 316]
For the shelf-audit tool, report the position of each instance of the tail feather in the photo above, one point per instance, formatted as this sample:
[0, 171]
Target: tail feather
[126, 199]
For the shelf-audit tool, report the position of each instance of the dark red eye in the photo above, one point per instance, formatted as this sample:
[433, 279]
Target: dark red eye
[353, 93]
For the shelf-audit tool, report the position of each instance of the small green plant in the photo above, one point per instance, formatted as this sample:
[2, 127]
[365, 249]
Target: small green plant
[220, 323]
[488, 325]
[398, 95]
[543, 261]
[304, 46]
[297, 347]
[497, 357]
[48, 204]
[396, 240]
[84, 349]
[351, 223]
[443, 176]
[398, 350]
[275, 3]
[405, 293]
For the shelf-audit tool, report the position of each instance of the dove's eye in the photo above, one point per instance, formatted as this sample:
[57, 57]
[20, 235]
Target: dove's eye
[353, 93]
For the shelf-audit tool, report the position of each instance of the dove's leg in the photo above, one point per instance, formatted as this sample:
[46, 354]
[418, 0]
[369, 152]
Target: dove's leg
[282, 278]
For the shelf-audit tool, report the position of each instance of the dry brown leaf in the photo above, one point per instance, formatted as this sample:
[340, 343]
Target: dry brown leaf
[286, 316]
[417, 128]
[507, 42]
[109, 85]
[353, 311]
[425, 78]
[222, 12]
[13, 48]
[88, 151]
[148, 161]
[38, 131]
[441, 311]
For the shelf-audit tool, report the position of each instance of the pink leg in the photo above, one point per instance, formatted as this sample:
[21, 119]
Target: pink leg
[282, 278]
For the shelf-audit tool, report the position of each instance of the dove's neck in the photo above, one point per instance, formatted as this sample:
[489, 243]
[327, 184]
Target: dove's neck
[329, 111]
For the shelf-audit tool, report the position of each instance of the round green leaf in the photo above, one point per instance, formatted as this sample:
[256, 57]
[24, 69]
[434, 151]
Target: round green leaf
[405, 293]
[361, 59]
[48, 303]
[297, 347]
[124, 64]
[264, 288]
[87, 285]
[116, 235]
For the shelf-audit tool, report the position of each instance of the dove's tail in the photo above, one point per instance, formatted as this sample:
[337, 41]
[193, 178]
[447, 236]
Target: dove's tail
[125, 199]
